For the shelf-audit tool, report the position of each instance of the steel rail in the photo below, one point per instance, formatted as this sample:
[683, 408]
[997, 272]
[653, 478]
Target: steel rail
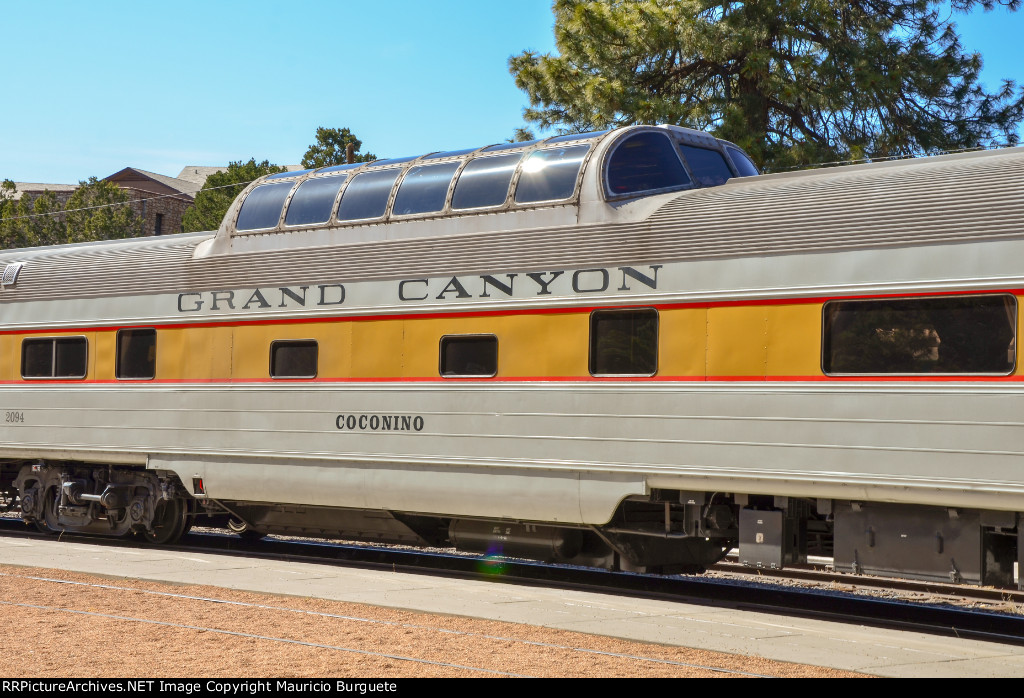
[757, 596]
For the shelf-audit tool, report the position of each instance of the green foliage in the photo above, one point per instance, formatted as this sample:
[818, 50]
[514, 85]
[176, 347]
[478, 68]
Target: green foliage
[329, 148]
[11, 211]
[521, 135]
[214, 199]
[46, 226]
[790, 81]
[98, 210]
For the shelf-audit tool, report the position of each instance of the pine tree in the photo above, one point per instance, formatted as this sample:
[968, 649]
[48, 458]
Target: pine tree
[329, 148]
[790, 81]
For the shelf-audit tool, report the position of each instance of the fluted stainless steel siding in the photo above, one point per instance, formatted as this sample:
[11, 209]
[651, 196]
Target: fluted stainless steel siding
[974, 197]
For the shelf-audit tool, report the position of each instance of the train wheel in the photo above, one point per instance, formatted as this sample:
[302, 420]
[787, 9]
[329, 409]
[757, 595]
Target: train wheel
[48, 524]
[44, 527]
[169, 522]
[190, 516]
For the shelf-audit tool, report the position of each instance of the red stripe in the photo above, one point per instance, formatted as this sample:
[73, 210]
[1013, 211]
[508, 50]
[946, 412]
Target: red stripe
[581, 309]
[540, 379]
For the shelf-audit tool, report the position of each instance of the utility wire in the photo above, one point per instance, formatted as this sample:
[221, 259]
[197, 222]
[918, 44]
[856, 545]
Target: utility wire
[811, 166]
[120, 203]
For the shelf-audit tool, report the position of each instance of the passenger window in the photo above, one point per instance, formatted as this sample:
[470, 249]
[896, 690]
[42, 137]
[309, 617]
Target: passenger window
[367, 195]
[469, 355]
[550, 175]
[484, 181]
[424, 189]
[624, 342]
[646, 161]
[313, 201]
[708, 166]
[54, 357]
[136, 354]
[293, 358]
[262, 206]
[947, 335]
[744, 165]
[589, 135]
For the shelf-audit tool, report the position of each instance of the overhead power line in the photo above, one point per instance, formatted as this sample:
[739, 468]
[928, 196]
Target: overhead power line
[811, 166]
[119, 203]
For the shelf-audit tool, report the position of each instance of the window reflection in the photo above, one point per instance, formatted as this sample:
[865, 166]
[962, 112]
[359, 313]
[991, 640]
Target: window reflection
[424, 189]
[313, 201]
[973, 334]
[624, 342]
[262, 206]
[485, 181]
[550, 175]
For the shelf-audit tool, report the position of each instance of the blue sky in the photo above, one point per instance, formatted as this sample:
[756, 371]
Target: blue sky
[92, 87]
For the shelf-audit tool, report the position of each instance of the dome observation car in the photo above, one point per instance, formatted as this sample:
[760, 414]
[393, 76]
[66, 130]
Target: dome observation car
[634, 161]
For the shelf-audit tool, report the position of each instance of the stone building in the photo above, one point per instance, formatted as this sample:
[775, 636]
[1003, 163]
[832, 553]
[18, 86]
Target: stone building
[34, 190]
[160, 201]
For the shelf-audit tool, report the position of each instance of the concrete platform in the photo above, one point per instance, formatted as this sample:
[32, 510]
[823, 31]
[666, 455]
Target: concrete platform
[857, 648]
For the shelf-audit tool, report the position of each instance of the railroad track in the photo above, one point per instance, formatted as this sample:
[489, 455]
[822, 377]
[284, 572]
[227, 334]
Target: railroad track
[821, 575]
[934, 608]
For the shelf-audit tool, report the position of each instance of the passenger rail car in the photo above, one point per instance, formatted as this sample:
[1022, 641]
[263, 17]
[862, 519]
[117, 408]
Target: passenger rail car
[623, 348]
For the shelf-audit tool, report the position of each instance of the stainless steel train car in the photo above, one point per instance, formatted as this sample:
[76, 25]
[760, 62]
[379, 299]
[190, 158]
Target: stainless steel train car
[624, 349]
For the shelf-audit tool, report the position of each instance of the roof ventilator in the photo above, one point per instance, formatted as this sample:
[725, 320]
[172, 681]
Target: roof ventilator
[11, 274]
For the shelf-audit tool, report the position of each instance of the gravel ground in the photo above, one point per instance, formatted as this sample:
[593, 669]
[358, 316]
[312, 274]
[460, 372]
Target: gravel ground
[106, 628]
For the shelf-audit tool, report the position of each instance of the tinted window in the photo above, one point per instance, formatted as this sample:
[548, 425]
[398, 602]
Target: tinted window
[484, 181]
[708, 166]
[450, 154]
[293, 359]
[262, 206]
[37, 358]
[624, 342]
[972, 334]
[645, 162]
[474, 355]
[391, 161]
[508, 146]
[313, 201]
[424, 189]
[63, 357]
[341, 168]
[295, 173]
[576, 137]
[550, 175]
[136, 354]
[367, 195]
[744, 165]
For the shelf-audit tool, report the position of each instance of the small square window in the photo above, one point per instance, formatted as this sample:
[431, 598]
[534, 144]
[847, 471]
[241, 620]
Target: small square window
[136, 354]
[624, 342]
[293, 358]
[469, 355]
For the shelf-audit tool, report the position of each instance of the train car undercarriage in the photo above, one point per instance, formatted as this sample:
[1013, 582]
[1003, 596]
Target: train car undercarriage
[668, 532]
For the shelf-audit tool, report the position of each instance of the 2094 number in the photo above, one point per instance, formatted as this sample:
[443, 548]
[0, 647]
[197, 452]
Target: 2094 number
[14, 417]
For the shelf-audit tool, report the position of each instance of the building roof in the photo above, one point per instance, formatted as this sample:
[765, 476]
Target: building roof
[134, 178]
[199, 173]
[39, 187]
